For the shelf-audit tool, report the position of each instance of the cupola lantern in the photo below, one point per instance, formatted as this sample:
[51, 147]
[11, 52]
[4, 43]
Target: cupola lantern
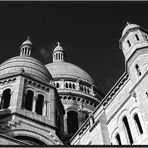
[26, 47]
[58, 53]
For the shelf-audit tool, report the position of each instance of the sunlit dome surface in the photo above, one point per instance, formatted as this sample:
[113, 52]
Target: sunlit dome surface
[67, 70]
[30, 65]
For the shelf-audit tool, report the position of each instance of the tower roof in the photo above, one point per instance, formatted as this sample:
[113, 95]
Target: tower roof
[128, 27]
[26, 47]
[58, 47]
[58, 53]
[27, 41]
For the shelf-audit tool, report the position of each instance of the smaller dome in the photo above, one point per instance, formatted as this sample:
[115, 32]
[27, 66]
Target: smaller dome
[129, 26]
[58, 47]
[26, 64]
[27, 41]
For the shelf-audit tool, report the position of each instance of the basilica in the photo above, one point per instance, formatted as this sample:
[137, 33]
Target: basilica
[60, 104]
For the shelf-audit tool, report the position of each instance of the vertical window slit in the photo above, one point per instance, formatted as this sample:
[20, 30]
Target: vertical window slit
[126, 124]
[138, 69]
[137, 37]
[129, 44]
[118, 139]
[138, 124]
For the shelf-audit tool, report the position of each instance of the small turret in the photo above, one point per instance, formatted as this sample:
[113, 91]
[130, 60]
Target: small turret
[134, 44]
[26, 48]
[133, 37]
[58, 53]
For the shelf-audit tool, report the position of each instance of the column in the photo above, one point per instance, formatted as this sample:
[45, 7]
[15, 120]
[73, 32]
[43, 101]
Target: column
[91, 119]
[11, 96]
[92, 90]
[80, 118]
[77, 85]
[29, 52]
[48, 110]
[45, 108]
[65, 124]
[1, 100]
[26, 51]
[34, 103]
[62, 83]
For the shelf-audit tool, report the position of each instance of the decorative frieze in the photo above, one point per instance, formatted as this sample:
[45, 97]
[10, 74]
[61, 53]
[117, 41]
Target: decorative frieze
[84, 128]
[37, 85]
[70, 85]
[116, 89]
[77, 100]
[7, 81]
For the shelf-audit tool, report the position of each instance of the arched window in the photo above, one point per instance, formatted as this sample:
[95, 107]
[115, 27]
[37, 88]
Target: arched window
[84, 89]
[137, 37]
[72, 122]
[57, 85]
[138, 69]
[73, 86]
[118, 139]
[138, 124]
[127, 128]
[28, 100]
[88, 90]
[129, 44]
[66, 85]
[70, 85]
[5, 99]
[39, 104]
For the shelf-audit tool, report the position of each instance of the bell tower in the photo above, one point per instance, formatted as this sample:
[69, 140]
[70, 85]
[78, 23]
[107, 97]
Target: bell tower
[134, 44]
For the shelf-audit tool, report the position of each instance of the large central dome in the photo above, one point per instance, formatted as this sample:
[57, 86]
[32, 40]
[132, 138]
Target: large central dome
[61, 69]
[67, 70]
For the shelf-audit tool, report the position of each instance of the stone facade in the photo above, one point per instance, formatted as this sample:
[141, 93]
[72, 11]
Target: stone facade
[28, 101]
[122, 116]
[59, 103]
[77, 92]
[44, 104]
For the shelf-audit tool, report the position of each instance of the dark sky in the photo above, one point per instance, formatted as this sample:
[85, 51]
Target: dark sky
[88, 31]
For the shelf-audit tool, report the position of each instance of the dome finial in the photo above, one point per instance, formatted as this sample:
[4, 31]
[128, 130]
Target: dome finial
[127, 23]
[26, 47]
[58, 43]
[28, 38]
[58, 54]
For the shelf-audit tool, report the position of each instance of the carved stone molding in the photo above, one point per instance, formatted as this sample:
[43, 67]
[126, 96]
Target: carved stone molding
[37, 85]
